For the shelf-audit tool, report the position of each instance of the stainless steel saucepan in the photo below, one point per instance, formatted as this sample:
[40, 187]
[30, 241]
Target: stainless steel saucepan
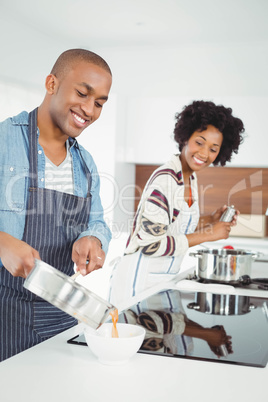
[66, 294]
[223, 265]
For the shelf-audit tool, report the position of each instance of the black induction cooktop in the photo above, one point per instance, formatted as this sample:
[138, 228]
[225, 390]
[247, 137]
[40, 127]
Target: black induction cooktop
[227, 329]
[209, 318]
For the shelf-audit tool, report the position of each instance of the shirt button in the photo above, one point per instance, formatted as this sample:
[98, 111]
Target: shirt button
[42, 179]
[11, 169]
[39, 152]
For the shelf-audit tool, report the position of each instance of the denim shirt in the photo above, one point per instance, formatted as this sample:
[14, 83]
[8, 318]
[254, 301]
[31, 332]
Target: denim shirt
[14, 181]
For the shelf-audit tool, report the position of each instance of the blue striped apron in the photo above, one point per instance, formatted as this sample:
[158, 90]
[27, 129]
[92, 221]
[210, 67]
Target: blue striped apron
[53, 222]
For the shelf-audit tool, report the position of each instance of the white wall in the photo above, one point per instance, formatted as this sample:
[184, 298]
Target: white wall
[99, 140]
[153, 84]
[150, 85]
[151, 124]
[16, 97]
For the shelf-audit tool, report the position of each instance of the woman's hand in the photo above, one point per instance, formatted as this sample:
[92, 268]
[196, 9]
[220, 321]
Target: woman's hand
[218, 231]
[16, 255]
[216, 215]
[212, 232]
[234, 220]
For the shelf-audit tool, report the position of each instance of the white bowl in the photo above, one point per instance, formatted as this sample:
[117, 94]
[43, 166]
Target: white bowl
[115, 351]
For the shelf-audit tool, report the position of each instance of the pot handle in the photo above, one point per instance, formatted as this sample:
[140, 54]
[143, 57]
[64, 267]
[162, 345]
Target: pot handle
[193, 306]
[195, 254]
[256, 255]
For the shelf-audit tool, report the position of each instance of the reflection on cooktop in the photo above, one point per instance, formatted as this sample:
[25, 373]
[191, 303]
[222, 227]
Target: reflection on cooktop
[203, 326]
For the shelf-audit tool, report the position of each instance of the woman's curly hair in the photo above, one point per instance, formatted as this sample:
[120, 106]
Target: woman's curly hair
[198, 115]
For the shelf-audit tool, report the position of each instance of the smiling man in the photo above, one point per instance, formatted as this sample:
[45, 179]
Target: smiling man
[50, 208]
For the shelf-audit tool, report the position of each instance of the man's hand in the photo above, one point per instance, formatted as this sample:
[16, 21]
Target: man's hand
[16, 255]
[87, 254]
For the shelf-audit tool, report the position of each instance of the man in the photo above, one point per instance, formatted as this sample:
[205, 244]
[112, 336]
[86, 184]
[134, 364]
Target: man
[50, 207]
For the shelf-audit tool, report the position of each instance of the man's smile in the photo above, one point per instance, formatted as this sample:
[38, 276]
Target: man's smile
[81, 122]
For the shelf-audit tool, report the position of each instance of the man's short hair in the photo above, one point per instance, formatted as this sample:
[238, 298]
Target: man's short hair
[70, 57]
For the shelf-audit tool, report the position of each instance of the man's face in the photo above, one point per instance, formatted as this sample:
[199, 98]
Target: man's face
[78, 97]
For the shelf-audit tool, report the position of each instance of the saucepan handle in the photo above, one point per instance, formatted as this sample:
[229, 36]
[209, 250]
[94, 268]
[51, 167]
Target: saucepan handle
[195, 254]
[193, 306]
[256, 255]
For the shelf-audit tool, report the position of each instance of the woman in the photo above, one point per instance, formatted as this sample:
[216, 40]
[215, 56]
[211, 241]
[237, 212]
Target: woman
[167, 220]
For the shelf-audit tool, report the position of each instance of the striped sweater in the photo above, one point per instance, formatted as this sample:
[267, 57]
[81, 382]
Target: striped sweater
[155, 230]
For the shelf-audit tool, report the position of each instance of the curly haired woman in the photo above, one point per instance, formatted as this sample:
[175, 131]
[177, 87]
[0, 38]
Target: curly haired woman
[167, 221]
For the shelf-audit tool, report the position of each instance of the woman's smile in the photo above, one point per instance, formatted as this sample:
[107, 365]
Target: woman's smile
[198, 161]
[201, 149]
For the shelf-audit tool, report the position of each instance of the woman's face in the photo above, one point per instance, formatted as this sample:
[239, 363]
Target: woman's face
[201, 149]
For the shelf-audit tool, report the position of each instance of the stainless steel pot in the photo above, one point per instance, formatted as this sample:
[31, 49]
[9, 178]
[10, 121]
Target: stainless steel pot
[69, 296]
[223, 265]
[220, 304]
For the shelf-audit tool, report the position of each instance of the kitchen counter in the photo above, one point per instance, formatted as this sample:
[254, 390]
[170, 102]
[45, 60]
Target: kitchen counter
[57, 371]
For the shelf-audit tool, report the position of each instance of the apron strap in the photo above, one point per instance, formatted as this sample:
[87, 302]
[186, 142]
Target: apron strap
[33, 149]
[33, 168]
